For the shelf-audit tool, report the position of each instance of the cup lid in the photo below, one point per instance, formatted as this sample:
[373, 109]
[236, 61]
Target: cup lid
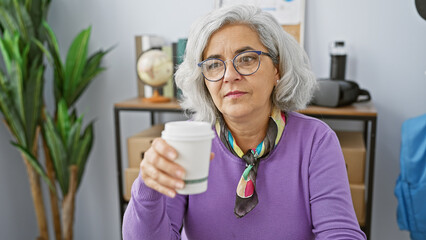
[187, 129]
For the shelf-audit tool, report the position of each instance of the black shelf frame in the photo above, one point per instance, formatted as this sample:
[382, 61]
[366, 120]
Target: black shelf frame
[117, 127]
[370, 131]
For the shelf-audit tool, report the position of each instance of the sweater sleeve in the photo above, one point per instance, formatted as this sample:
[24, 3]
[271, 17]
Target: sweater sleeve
[333, 215]
[152, 215]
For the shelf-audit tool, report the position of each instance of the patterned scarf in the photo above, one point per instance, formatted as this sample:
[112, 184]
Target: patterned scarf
[246, 197]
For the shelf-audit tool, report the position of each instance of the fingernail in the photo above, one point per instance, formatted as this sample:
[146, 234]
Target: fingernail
[171, 155]
[179, 185]
[172, 194]
[180, 174]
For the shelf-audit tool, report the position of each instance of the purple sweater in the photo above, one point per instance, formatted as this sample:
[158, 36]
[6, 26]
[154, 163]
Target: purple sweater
[302, 186]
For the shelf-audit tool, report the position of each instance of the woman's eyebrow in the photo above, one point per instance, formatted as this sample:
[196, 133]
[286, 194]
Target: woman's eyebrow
[214, 56]
[240, 50]
[243, 49]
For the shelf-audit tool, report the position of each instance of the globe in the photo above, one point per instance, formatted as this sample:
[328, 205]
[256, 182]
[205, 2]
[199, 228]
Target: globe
[155, 68]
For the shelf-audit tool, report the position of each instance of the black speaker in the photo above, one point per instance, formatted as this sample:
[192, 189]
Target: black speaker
[336, 93]
[421, 8]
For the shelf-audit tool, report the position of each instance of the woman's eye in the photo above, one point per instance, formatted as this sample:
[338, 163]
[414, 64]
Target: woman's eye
[247, 59]
[213, 66]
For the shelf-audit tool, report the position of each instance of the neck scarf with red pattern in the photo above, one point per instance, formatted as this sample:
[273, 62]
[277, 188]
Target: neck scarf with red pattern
[246, 196]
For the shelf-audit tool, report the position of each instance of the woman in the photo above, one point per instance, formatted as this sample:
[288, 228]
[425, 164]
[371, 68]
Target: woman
[276, 174]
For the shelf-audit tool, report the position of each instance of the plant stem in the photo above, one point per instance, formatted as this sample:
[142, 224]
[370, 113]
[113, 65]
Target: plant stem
[36, 192]
[68, 204]
[37, 199]
[53, 197]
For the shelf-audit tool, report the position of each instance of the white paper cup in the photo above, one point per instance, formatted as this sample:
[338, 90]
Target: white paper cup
[192, 140]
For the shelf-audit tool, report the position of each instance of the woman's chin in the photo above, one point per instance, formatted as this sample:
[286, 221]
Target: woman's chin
[237, 112]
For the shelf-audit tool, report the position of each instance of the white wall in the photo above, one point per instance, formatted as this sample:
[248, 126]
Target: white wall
[387, 55]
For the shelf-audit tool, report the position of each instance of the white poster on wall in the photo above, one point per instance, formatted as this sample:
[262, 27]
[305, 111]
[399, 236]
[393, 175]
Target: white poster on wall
[287, 12]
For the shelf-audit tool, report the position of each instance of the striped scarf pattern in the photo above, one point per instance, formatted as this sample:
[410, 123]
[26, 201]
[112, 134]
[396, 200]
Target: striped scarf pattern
[246, 196]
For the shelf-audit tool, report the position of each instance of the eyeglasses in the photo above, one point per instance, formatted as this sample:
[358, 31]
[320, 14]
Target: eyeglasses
[245, 63]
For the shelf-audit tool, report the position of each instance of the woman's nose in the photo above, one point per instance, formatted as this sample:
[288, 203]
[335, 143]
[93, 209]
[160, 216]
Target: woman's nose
[231, 74]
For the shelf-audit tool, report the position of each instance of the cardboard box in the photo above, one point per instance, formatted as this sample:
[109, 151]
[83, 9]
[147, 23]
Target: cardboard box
[139, 143]
[358, 199]
[353, 149]
[130, 175]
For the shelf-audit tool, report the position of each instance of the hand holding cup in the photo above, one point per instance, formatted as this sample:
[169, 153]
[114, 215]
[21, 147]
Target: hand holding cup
[159, 171]
[179, 161]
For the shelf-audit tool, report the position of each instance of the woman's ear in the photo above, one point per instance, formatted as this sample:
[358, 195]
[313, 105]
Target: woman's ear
[277, 75]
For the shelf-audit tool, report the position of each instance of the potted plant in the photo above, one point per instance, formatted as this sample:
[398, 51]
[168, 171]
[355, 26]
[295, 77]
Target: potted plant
[25, 40]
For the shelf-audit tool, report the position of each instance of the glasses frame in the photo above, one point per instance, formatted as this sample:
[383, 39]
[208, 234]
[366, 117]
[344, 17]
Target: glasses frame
[233, 64]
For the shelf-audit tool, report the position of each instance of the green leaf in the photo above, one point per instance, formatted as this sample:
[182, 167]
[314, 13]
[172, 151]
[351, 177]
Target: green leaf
[2, 80]
[52, 44]
[16, 84]
[93, 63]
[11, 116]
[40, 11]
[35, 164]
[63, 122]
[91, 70]
[7, 21]
[5, 3]
[9, 45]
[16, 51]
[86, 146]
[74, 139]
[9, 111]
[4, 48]
[24, 63]
[33, 99]
[73, 115]
[57, 152]
[28, 4]
[75, 62]
[23, 20]
[84, 84]
[44, 50]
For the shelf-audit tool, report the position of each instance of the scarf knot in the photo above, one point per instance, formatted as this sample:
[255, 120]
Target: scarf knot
[251, 157]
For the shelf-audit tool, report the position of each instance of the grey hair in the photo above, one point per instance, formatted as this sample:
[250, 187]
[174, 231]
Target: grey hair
[293, 91]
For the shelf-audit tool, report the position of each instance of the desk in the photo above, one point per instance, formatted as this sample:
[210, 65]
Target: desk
[364, 112]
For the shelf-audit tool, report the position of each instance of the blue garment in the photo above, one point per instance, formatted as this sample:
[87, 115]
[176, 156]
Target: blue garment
[410, 188]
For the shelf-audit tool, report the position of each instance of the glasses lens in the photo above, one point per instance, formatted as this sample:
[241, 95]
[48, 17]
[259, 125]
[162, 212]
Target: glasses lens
[247, 63]
[213, 69]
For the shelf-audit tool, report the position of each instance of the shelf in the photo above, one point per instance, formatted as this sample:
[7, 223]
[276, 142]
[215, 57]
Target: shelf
[140, 104]
[366, 109]
[356, 109]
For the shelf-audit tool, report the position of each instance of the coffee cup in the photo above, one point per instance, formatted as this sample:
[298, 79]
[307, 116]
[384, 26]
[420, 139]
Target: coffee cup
[192, 140]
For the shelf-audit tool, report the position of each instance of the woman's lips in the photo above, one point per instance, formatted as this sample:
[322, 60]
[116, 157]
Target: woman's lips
[235, 94]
